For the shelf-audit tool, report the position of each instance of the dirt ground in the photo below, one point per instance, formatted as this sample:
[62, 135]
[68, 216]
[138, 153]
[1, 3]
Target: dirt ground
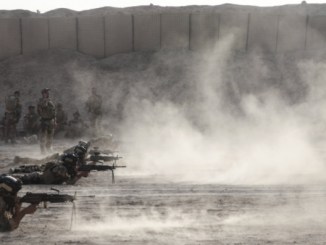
[148, 209]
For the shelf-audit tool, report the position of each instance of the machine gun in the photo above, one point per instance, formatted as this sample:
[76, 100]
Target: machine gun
[36, 198]
[97, 155]
[103, 157]
[90, 167]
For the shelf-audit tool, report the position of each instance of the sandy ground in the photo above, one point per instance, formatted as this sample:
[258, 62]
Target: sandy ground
[147, 209]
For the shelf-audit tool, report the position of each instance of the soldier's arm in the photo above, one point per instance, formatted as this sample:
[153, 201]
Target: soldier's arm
[20, 213]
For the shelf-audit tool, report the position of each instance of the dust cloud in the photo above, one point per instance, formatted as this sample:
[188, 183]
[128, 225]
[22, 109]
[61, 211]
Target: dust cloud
[237, 119]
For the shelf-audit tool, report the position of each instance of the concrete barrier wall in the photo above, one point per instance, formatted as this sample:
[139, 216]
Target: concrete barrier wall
[204, 31]
[90, 32]
[292, 33]
[147, 35]
[10, 37]
[118, 34]
[35, 34]
[316, 33]
[233, 30]
[112, 34]
[174, 31]
[262, 32]
[63, 33]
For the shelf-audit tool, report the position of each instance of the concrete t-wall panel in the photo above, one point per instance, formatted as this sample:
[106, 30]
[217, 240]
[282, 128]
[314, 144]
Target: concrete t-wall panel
[35, 34]
[291, 33]
[10, 37]
[316, 33]
[233, 30]
[63, 33]
[262, 32]
[91, 36]
[204, 31]
[174, 31]
[118, 34]
[147, 32]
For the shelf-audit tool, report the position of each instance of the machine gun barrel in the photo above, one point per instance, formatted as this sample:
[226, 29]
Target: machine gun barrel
[90, 167]
[103, 157]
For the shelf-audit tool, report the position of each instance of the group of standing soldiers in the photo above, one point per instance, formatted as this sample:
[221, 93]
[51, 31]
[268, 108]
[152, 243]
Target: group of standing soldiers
[48, 119]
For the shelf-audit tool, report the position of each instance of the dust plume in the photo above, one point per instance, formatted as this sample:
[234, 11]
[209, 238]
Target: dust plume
[240, 118]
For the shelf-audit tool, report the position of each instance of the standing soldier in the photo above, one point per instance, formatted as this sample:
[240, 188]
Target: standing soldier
[61, 119]
[76, 126]
[94, 109]
[31, 121]
[46, 110]
[12, 116]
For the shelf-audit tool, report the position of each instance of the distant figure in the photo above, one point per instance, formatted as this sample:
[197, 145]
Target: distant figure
[61, 119]
[31, 119]
[46, 110]
[38, 11]
[2, 128]
[94, 109]
[12, 116]
[76, 126]
[303, 3]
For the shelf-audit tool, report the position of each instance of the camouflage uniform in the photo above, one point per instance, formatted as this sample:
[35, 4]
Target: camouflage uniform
[54, 174]
[94, 109]
[61, 118]
[31, 122]
[5, 216]
[47, 112]
[11, 118]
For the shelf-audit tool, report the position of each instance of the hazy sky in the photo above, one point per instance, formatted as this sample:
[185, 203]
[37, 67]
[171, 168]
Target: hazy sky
[46, 5]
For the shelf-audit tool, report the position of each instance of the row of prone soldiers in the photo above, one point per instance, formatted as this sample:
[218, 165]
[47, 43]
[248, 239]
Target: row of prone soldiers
[67, 168]
[48, 119]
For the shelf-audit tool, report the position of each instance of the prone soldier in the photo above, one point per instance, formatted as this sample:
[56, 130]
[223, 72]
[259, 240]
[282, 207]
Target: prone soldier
[11, 211]
[55, 172]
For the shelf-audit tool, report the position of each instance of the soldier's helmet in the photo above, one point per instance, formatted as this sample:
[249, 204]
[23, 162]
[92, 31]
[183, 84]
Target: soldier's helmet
[69, 158]
[80, 151]
[84, 143]
[45, 90]
[9, 184]
[76, 114]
